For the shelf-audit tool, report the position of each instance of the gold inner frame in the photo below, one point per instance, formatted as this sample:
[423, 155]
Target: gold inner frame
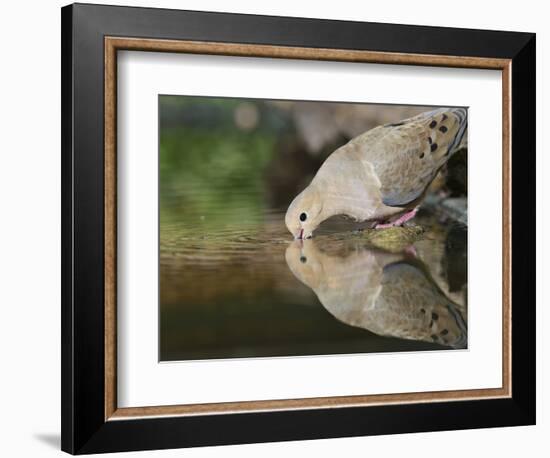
[114, 44]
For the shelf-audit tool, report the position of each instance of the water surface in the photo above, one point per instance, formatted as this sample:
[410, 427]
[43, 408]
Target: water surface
[244, 290]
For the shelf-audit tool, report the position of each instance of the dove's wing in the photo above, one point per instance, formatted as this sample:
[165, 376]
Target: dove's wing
[411, 306]
[380, 292]
[406, 156]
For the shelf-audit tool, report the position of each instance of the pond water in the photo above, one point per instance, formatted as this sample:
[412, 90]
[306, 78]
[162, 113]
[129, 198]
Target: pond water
[233, 282]
[248, 290]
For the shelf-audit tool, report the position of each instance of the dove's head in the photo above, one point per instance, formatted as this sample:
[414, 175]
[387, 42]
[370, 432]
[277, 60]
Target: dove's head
[305, 261]
[304, 214]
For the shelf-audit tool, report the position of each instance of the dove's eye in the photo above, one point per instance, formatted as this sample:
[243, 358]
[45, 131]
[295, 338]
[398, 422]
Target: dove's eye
[303, 259]
[303, 216]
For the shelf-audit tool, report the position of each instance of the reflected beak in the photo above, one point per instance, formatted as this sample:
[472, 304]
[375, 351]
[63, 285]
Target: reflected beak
[300, 236]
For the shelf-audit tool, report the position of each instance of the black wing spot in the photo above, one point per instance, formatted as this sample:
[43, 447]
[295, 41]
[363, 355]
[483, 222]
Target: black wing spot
[433, 147]
[421, 156]
[433, 124]
[443, 117]
[430, 140]
[396, 124]
[443, 129]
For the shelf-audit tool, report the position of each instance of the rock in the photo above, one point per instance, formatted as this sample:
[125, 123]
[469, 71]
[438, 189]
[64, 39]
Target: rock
[455, 208]
[393, 239]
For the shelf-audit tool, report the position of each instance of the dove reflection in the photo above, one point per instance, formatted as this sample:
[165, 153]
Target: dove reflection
[387, 294]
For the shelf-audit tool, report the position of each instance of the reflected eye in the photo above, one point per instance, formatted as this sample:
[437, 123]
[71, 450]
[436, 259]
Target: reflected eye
[303, 259]
[303, 216]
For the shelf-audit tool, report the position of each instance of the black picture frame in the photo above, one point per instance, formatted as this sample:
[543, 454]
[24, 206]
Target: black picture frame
[84, 427]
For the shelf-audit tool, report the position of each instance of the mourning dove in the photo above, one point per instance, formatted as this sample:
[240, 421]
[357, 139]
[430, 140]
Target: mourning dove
[387, 294]
[381, 175]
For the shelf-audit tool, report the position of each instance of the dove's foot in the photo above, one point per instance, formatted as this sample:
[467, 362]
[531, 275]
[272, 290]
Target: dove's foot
[411, 251]
[399, 221]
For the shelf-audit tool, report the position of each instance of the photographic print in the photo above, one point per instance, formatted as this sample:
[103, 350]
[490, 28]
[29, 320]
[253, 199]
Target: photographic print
[262, 232]
[298, 228]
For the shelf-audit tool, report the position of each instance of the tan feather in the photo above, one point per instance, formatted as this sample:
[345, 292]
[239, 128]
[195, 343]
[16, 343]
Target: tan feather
[381, 173]
[406, 156]
[384, 293]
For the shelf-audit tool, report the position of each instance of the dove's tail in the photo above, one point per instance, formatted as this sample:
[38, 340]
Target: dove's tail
[448, 129]
[460, 139]
[462, 339]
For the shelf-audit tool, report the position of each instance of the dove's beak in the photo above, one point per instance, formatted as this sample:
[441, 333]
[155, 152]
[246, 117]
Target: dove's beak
[302, 236]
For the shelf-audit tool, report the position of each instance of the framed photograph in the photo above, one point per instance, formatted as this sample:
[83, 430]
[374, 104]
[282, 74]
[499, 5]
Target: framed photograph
[282, 228]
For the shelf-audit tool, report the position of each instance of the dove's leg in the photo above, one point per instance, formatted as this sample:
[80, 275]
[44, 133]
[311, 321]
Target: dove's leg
[399, 221]
[411, 251]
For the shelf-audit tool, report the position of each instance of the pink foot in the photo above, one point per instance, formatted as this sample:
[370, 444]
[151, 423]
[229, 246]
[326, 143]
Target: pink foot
[411, 251]
[399, 221]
